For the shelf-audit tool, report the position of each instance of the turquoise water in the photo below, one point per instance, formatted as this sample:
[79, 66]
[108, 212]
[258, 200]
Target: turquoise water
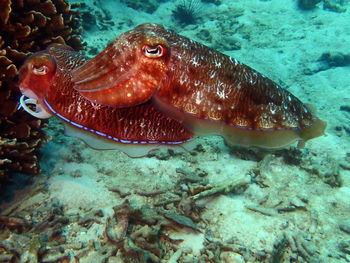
[214, 202]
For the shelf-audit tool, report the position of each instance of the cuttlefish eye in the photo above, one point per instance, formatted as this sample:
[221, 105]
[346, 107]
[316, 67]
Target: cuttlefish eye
[155, 51]
[40, 70]
[41, 64]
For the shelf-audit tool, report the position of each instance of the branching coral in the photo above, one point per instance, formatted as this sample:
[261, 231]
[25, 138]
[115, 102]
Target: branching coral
[26, 26]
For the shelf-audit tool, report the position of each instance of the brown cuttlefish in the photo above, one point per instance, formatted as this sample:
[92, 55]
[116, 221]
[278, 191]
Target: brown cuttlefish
[208, 92]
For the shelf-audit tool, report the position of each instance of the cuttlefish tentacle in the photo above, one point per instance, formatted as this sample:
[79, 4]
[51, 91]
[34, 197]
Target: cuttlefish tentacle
[39, 112]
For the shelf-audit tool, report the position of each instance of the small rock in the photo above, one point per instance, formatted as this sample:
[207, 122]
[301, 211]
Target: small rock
[182, 221]
[231, 257]
[334, 5]
[114, 259]
[335, 59]
[160, 154]
[345, 226]
[307, 4]
[345, 108]
[215, 2]
[344, 247]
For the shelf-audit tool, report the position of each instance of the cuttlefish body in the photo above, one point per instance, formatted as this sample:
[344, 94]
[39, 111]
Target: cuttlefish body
[45, 82]
[208, 92]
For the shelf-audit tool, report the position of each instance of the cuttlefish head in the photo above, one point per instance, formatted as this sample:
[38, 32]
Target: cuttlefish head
[129, 71]
[35, 79]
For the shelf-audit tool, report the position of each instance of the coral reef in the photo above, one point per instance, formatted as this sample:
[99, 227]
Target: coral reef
[26, 26]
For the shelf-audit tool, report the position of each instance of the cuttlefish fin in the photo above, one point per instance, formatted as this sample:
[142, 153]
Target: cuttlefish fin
[317, 129]
[132, 150]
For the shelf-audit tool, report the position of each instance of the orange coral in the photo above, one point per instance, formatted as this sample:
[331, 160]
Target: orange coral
[26, 26]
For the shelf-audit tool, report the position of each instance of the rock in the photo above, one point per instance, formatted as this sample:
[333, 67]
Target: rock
[345, 226]
[334, 5]
[335, 59]
[231, 257]
[215, 2]
[148, 6]
[344, 247]
[307, 4]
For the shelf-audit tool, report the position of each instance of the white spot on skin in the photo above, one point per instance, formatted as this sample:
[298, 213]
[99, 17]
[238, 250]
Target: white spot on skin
[142, 124]
[234, 61]
[198, 97]
[95, 106]
[217, 64]
[79, 109]
[184, 44]
[195, 62]
[221, 92]
[183, 79]
[197, 83]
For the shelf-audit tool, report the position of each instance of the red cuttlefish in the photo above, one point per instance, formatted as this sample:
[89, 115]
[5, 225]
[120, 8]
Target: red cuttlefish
[193, 88]
[45, 82]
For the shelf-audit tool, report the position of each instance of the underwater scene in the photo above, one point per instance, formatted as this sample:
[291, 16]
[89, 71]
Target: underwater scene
[174, 131]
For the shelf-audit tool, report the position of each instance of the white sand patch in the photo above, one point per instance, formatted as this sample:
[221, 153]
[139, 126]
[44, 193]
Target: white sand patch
[80, 193]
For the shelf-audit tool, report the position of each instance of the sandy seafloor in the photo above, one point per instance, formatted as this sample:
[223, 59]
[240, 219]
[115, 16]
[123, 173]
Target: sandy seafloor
[292, 205]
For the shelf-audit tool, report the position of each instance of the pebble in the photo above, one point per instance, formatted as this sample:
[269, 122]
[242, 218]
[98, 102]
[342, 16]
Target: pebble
[345, 226]
[231, 257]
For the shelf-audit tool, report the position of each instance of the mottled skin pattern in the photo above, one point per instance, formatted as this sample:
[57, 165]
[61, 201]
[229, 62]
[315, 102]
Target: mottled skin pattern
[211, 93]
[141, 124]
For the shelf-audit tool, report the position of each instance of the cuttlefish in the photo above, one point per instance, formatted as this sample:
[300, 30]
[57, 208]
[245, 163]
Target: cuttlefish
[47, 88]
[206, 91]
